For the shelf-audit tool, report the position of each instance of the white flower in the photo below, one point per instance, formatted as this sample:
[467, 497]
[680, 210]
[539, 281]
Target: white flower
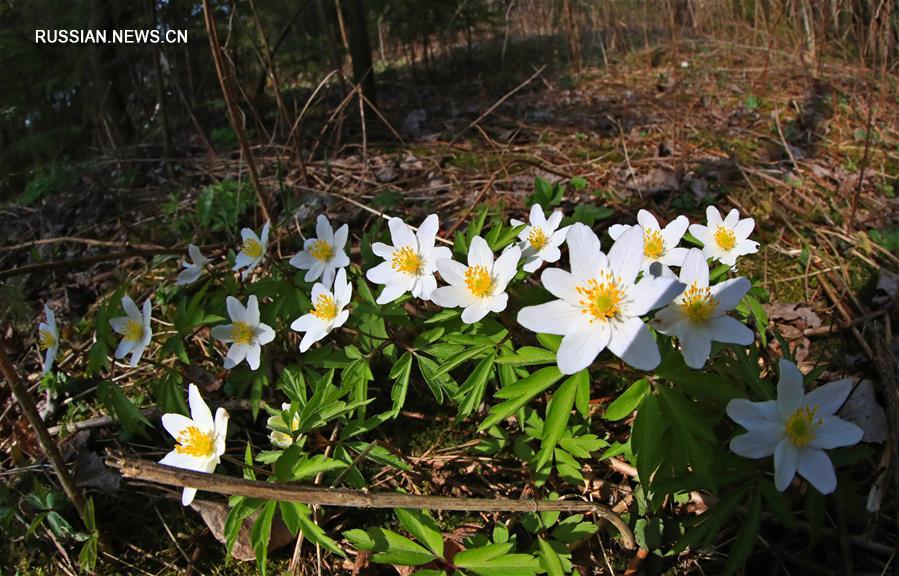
[327, 311]
[540, 240]
[246, 333]
[725, 240]
[698, 316]
[252, 251]
[48, 338]
[796, 428]
[192, 269]
[659, 245]
[599, 304]
[278, 438]
[201, 440]
[410, 263]
[480, 287]
[134, 328]
[323, 256]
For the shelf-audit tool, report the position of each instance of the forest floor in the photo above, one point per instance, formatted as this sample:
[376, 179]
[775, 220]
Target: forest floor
[670, 133]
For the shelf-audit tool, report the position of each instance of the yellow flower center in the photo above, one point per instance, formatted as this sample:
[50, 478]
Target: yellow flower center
[602, 298]
[479, 281]
[321, 251]
[325, 307]
[48, 339]
[408, 261]
[802, 426]
[193, 442]
[242, 333]
[698, 304]
[537, 238]
[653, 244]
[134, 330]
[725, 238]
[252, 248]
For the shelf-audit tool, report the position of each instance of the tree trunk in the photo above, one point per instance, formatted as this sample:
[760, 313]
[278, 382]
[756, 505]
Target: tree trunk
[354, 11]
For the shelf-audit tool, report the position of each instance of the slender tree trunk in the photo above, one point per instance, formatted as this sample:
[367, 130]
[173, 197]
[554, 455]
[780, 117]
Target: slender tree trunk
[574, 38]
[354, 11]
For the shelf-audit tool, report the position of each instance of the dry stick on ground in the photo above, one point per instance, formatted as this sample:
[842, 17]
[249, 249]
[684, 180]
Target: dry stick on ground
[219, 484]
[44, 439]
[225, 82]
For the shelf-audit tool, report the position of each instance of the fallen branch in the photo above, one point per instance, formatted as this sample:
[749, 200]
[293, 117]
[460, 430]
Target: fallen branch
[219, 484]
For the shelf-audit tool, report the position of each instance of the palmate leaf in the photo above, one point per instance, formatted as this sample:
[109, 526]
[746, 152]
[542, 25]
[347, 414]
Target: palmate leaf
[528, 356]
[549, 559]
[127, 414]
[557, 414]
[520, 393]
[628, 401]
[259, 535]
[400, 374]
[422, 526]
[297, 518]
[492, 560]
[472, 391]
[393, 548]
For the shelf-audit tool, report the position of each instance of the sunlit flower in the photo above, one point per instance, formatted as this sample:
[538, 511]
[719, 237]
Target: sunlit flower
[327, 311]
[134, 328]
[480, 287]
[246, 334]
[48, 338]
[659, 244]
[796, 428]
[410, 263]
[541, 238]
[725, 240]
[252, 251]
[200, 439]
[192, 269]
[599, 304]
[277, 423]
[698, 316]
[324, 255]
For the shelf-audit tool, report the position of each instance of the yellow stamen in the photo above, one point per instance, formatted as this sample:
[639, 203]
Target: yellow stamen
[602, 298]
[653, 244]
[725, 238]
[479, 281]
[408, 261]
[802, 426]
[48, 339]
[134, 330]
[252, 248]
[537, 238]
[325, 307]
[242, 333]
[698, 304]
[193, 442]
[321, 251]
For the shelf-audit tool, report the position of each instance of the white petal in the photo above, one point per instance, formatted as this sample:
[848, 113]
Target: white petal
[674, 231]
[584, 252]
[323, 229]
[506, 266]
[728, 331]
[224, 332]
[550, 254]
[382, 250]
[561, 284]
[835, 432]
[427, 231]
[124, 347]
[790, 389]
[264, 334]
[343, 290]
[340, 237]
[452, 272]
[381, 274]
[340, 259]
[247, 233]
[758, 442]
[830, 397]
[188, 276]
[49, 357]
[675, 256]
[136, 354]
[319, 290]
[195, 255]
[532, 263]
[452, 296]
[816, 467]
[667, 320]
[304, 323]
[401, 234]
[695, 269]
[626, 254]
[536, 216]
[130, 307]
[174, 424]
[786, 458]
[187, 497]
[647, 220]
[302, 260]
[236, 354]
[311, 337]
[221, 430]
[744, 228]
[498, 302]
[753, 415]
[236, 311]
[652, 292]
[474, 312]
[147, 317]
[254, 353]
[729, 293]
[713, 217]
[555, 317]
[315, 271]
[119, 324]
[179, 460]
[580, 348]
[695, 346]
[479, 253]
[199, 411]
[328, 275]
[392, 291]
[616, 230]
[633, 342]
[730, 221]
[554, 220]
[51, 318]
[252, 314]
[426, 286]
[701, 233]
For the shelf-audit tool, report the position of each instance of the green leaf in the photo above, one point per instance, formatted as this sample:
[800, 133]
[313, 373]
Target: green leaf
[286, 462]
[422, 526]
[311, 530]
[360, 539]
[646, 435]
[528, 356]
[128, 415]
[590, 213]
[625, 404]
[505, 238]
[505, 565]
[170, 394]
[739, 552]
[549, 559]
[550, 341]
[458, 359]
[260, 534]
[472, 391]
[396, 549]
[400, 375]
[520, 393]
[557, 414]
[761, 319]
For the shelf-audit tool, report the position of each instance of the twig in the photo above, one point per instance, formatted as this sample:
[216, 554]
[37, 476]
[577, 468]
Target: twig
[219, 484]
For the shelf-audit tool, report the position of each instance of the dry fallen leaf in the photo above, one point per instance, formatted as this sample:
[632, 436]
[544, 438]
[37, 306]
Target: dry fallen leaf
[215, 514]
[863, 410]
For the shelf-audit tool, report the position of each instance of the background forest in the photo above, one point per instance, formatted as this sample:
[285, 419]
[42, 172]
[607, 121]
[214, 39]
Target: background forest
[115, 157]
